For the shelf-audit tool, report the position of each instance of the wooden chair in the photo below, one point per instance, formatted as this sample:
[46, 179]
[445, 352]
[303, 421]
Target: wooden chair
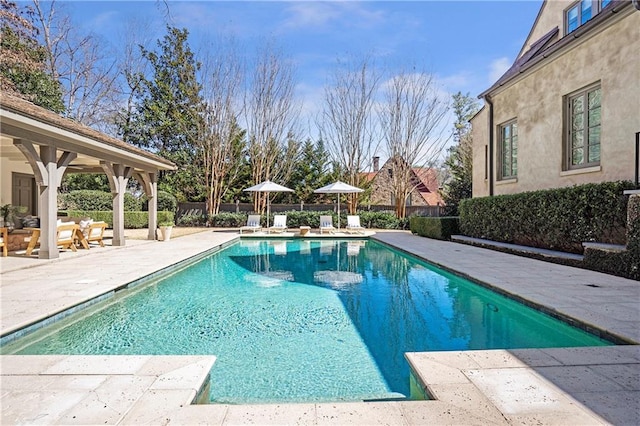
[4, 241]
[66, 237]
[95, 231]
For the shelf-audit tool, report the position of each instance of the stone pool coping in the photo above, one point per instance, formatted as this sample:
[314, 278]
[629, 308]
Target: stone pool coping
[550, 386]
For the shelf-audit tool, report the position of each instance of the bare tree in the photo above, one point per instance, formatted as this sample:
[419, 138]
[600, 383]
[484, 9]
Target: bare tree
[347, 124]
[410, 119]
[83, 66]
[272, 115]
[222, 147]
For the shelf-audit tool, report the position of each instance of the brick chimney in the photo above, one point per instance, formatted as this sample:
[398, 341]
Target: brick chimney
[376, 164]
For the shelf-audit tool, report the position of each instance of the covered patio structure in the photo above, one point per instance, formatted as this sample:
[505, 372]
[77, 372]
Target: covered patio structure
[38, 146]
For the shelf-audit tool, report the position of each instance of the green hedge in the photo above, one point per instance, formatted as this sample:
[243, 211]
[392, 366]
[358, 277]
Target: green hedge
[166, 202]
[558, 219]
[132, 220]
[441, 228]
[295, 219]
[625, 263]
[85, 199]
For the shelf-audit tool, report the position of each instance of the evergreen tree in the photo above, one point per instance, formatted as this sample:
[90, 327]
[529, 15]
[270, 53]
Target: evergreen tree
[168, 118]
[459, 162]
[311, 171]
[22, 60]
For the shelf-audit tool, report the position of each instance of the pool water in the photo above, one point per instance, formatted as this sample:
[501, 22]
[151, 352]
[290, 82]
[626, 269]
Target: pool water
[301, 320]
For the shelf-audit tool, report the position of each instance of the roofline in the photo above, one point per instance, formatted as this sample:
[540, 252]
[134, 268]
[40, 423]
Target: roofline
[582, 33]
[47, 124]
[533, 27]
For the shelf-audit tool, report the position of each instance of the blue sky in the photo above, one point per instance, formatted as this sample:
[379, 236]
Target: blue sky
[466, 45]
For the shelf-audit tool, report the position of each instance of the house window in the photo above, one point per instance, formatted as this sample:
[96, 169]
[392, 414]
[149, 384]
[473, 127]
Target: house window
[582, 11]
[584, 119]
[509, 150]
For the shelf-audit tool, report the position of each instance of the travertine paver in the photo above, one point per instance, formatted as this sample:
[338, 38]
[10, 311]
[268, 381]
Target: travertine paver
[532, 386]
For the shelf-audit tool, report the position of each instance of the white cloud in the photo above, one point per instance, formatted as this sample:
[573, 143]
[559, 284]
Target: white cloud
[312, 14]
[497, 68]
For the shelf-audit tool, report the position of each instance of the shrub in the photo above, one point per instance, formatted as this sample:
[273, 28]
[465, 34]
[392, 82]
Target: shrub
[132, 220]
[167, 202]
[228, 220]
[132, 203]
[558, 219]
[380, 220]
[441, 228]
[191, 219]
[295, 219]
[86, 199]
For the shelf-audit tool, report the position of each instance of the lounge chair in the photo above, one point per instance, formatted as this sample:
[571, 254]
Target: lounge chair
[4, 241]
[279, 223]
[326, 224]
[67, 235]
[353, 225]
[95, 232]
[91, 231]
[253, 224]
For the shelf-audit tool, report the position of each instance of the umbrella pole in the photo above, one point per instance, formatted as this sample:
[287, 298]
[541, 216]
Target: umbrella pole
[267, 209]
[338, 211]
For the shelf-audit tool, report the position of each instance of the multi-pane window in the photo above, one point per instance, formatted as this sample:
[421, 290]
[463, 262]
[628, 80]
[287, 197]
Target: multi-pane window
[509, 150]
[584, 119]
[581, 12]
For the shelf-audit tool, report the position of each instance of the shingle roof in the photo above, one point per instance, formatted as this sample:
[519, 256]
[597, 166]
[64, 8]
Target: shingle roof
[28, 109]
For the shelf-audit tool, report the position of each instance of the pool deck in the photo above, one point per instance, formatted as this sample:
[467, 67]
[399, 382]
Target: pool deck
[596, 385]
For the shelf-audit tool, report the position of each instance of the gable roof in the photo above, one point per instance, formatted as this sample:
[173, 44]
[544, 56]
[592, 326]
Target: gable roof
[428, 186]
[21, 107]
[546, 46]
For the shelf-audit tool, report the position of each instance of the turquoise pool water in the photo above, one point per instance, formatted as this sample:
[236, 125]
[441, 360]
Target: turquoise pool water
[304, 320]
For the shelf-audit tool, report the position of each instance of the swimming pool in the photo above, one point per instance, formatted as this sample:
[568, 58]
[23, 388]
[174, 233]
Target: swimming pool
[304, 320]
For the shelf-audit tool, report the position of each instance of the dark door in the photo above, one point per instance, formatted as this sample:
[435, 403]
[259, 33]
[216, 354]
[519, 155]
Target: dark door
[23, 192]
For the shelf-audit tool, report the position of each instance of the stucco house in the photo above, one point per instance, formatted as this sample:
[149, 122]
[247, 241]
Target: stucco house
[567, 112]
[38, 146]
[424, 180]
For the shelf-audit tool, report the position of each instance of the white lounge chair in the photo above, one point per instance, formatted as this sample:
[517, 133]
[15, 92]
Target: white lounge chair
[353, 225]
[279, 223]
[92, 231]
[326, 224]
[253, 224]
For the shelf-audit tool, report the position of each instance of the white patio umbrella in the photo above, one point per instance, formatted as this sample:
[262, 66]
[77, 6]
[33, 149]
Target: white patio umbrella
[268, 186]
[338, 187]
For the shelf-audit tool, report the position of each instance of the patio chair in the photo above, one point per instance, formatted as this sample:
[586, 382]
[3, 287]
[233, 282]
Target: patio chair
[66, 237]
[4, 241]
[353, 225]
[279, 223]
[95, 232]
[91, 231]
[326, 224]
[253, 224]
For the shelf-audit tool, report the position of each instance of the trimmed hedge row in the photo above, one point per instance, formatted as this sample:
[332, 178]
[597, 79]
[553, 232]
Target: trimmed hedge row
[295, 219]
[440, 228]
[94, 200]
[85, 199]
[626, 263]
[558, 219]
[132, 220]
